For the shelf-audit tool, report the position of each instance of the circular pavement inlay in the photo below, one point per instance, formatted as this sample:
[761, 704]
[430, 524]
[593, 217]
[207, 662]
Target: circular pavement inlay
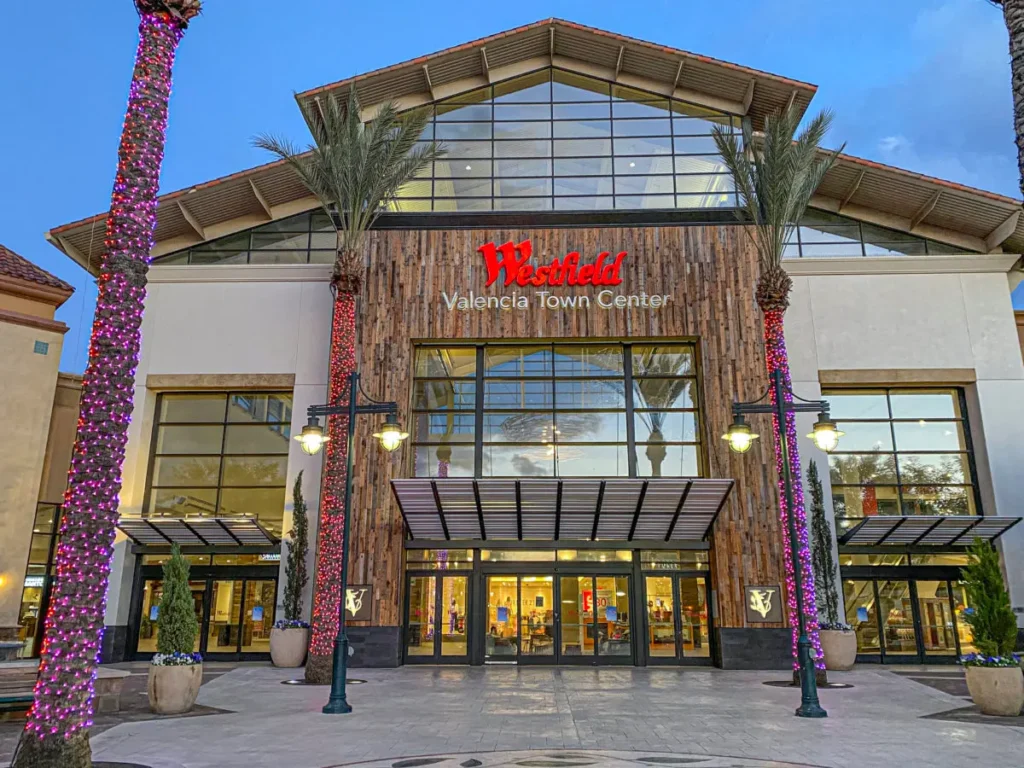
[574, 758]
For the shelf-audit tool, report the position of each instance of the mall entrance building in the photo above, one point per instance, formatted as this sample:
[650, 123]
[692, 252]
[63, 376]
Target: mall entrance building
[563, 309]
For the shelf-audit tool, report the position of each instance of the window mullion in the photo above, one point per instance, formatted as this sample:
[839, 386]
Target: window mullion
[627, 372]
[478, 420]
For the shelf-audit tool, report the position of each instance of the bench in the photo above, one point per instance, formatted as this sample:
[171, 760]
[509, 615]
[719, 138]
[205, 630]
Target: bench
[17, 679]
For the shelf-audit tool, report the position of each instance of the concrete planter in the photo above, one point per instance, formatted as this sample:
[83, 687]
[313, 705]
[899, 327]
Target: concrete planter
[997, 690]
[288, 646]
[173, 690]
[839, 648]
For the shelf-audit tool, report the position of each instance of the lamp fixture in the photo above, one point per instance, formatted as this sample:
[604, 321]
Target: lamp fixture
[739, 435]
[825, 433]
[391, 434]
[312, 437]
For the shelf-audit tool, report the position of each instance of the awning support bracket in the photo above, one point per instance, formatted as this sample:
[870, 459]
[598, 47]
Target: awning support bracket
[479, 510]
[440, 510]
[519, 510]
[597, 510]
[558, 511]
[679, 510]
[639, 506]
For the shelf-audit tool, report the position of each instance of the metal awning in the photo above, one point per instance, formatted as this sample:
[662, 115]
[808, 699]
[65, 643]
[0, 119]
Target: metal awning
[927, 530]
[558, 509]
[196, 531]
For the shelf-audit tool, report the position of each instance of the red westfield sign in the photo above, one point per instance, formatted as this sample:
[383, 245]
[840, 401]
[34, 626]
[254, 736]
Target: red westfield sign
[514, 259]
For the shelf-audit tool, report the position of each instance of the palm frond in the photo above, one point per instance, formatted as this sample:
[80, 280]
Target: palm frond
[775, 175]
[356, 169]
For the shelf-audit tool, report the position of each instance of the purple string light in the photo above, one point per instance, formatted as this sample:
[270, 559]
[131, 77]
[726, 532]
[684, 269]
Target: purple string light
[74, 622]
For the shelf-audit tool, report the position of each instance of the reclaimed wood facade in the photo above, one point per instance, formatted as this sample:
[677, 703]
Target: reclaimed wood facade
[710, 273]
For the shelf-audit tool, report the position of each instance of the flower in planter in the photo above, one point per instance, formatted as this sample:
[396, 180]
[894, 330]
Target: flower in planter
[176, 659]
[290, 624]
[981, 660]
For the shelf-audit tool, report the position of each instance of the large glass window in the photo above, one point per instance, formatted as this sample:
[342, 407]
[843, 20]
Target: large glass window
[308, 238]
[38, 577]
[905, 452]
[221, 454]
[554, 140]
[539, 410]
[823, 234]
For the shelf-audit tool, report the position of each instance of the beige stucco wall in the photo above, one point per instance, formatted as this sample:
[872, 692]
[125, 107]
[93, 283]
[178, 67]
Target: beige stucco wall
[27, 384]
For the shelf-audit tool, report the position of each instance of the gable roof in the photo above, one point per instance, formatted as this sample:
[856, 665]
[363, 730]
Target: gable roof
[932, 208]
[587, 50]
[18, 267]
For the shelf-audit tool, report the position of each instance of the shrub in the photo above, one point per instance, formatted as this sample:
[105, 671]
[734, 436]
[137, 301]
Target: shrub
[296, 576]
[178, 624]
[822, 561]
[990, 616]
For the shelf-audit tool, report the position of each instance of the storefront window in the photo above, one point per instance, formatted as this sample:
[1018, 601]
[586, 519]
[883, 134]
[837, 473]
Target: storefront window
[439, 559]
[568, 410]
[39, 575]
[904, 452]
[871, 560]
[860, 614]
[963, 629]
[221, 455]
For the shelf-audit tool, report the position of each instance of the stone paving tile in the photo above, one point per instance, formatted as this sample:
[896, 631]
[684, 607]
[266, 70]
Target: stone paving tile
[423, 711]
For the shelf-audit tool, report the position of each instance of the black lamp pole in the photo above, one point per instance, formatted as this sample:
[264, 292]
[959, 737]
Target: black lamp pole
[809, 705]
[338, 703]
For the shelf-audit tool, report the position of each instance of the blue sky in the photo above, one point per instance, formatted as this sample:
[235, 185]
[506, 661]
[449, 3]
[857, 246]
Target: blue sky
[921, 84]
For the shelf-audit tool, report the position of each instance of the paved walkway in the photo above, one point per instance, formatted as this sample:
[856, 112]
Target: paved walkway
[473, 712]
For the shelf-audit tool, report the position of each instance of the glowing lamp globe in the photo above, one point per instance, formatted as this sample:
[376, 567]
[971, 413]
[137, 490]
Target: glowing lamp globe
[312, 437]
[739, 436]
[390, 435]
[825, 434]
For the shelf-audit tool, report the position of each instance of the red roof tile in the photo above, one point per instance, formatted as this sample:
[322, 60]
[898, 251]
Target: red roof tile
[20, 268]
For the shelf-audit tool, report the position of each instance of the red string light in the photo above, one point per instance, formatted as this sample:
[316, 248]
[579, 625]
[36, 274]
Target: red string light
[332, 494]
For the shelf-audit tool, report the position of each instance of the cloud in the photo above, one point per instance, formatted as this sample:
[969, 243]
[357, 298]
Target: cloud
[527, 467]
[951, 114]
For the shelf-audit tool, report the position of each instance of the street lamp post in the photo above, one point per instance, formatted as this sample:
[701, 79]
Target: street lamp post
[312, 439]
[825, 436]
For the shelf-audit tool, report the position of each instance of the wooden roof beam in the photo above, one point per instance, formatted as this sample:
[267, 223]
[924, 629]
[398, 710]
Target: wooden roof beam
[791, 100]
[924, 210]
[68, 248]
[748, 98]
[551, 43]
[852, 191]
[679, 74]
[192, 220]
[261, 200]
[1002, 233]
[430, 85]
[483, 60]
[618, 62]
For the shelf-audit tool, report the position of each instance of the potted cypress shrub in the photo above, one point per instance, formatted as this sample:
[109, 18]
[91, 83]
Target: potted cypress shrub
[289, 638]
[994, 675]
[176, 672]
[838, 640]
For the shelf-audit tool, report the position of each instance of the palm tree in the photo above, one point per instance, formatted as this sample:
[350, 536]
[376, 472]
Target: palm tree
[57, 732]
[775, 179]
[1013, 15]
[355, 171]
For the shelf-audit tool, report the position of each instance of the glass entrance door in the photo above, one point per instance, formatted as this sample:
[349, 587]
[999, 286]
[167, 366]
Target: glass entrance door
[678, 620]
[437, 619]
[235, 616]
[557, 619]
[900, 621]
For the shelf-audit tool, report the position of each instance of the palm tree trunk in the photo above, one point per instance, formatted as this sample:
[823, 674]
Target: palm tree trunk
[778, 359]
[1013, 14]
[57, 732]
[327, 584]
